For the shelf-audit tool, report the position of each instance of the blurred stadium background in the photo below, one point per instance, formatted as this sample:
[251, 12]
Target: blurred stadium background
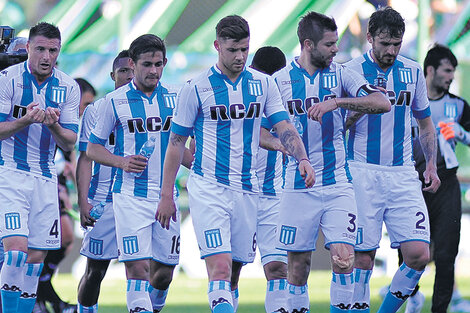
[94, 31]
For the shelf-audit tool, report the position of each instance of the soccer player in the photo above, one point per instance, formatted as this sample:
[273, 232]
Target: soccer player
[99, 243]
[39, 110]
[313, 90]
[451, 116]
[137, 113]
[224, 106]
[380, 152]
[269, 171]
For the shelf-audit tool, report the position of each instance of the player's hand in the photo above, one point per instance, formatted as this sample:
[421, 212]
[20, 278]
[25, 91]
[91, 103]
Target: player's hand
[307, 172]
[51, 116]
[431, 180]
[166, 210]
[452, 130]
[85, 218]
[34, 114]
[316, 111]
[134, 163]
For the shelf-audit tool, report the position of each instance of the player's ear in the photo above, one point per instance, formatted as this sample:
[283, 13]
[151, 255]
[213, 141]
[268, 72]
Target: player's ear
[111, 74]
[216, 45]
[165, 60]
[430, 70]
[369, 37]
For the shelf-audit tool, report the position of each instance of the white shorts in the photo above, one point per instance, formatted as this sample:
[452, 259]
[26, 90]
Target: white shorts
[331, 208]
[266, 238]
[140, 236]
[29, 207]
[224, 219]
[99, 242]
[392, 195]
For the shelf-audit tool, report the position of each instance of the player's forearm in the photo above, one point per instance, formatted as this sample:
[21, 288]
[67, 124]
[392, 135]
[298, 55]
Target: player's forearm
[373, 103]
[188, 158]
[9, 128]
[290, 139]
[268, 141]
[352, 118]
[428, 141]
[100, 154]
[83, 174]
[64, 138]
[173, 159]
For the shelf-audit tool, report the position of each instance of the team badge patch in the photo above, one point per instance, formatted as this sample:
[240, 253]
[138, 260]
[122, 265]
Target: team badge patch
[405, 75]
[450, 110]
[96, 246]
[170, 100]
[380, 81]
[287, 236]
[130, 244]
[329, 80]
[58, 94]
[12, 221]
[213, 238]
[254, 87]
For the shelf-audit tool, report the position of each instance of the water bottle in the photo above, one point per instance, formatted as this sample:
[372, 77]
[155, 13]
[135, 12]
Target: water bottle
[298, 125]
[97, 210]
[146, 151]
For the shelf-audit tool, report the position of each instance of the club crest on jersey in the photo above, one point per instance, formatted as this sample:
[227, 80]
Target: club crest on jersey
[170, 100]
[450, 110]
[58, 94]
[405, 75]
[12, 221]
[254, 87]
[130, 244]
[380, 81]
[213, 238]
[287, 236]
[329, 80]
[96, 246]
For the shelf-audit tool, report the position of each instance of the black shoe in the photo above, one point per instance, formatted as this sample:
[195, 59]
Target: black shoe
[40, 307]
[64, 307]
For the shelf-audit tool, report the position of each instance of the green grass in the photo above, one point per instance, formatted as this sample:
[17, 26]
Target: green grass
[189, 295]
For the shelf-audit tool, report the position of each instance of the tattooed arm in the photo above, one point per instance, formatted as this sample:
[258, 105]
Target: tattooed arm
[270, 142]
[351, 118]
[373, 103]
[427, 139]
[290, 139]
[173, 158]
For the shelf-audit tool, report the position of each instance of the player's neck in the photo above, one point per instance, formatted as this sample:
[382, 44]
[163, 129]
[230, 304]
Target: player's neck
[434, 94]
[305, 63]
[232, 76]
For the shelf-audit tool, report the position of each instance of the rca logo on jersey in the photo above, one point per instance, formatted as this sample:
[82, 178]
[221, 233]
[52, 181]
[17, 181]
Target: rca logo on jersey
[213, 238]
[58, 94]
[130, 244]
[96, 246]
[254, 87]
[152, 124]
[405, 75]
[170, 100]
[404, 97]
[301, 107]
[237, 111]
[287, 235]
[329, 80]
[12, 221]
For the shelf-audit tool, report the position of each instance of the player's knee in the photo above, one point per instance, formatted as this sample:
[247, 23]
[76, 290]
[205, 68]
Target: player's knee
[275, 270]
[364, 260]
[418, 259]
[162, 278]
[95, 275]
[219, 267]
[343, 260]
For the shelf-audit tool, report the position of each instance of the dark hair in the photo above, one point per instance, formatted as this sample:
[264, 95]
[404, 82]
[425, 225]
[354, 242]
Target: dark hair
[146, 43]
[268, 60]
[386, 20]
[313, 25]
[232, 27]
[85, 86]
[44, 29]
[121, 55]
[436, 54]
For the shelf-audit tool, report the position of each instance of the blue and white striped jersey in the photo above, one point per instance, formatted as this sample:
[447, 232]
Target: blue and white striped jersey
[385, 139]
[32, 148]
[269, 169]
[324, 142]
[102, 178]
[135, 118]
[226, 119]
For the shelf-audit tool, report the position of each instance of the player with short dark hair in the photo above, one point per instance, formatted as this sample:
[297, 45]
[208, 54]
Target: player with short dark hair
[38, 110]
[223, 107]
[315, 91]
[380, 160]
